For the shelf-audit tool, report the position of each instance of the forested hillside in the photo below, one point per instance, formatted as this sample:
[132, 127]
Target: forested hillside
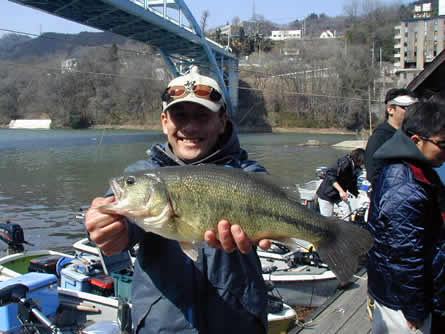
[103, 79]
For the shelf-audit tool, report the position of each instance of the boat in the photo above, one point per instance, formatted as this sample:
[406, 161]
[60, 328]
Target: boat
[59, 299]
[299, 276]
[359, 205]
[82, 301]
[280, 319]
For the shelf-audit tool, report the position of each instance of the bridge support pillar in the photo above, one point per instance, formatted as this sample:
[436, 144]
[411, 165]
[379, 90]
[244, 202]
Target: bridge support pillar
[233, 82]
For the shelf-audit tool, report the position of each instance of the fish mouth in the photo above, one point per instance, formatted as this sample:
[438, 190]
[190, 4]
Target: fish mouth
[117, 189]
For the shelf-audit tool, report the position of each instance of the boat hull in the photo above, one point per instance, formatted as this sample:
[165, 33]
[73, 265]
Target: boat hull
[280, 322]
[309, 293]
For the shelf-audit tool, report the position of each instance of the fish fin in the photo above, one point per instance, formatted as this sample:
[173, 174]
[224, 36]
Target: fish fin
[190, 250]
[342, 248]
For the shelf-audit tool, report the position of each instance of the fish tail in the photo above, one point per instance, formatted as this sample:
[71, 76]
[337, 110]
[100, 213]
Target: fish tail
[341, 250]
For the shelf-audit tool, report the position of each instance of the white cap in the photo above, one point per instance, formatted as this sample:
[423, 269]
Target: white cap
[403, 101]
[189, 81]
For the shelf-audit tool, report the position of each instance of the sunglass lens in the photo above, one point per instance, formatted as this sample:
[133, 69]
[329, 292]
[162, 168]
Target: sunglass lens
[201, 90]
[176, 91]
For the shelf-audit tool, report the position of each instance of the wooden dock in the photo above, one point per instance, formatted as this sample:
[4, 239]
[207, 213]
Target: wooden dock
[343, 313]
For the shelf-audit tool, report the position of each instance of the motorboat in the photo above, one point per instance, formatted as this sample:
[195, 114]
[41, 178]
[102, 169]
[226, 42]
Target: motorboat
[358, 205]
[91, 292]
[58, 292]
[298, 276]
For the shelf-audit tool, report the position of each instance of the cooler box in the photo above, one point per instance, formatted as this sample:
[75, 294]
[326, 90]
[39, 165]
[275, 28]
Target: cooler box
[118, 267]
[73, 279]
[76, 275]
[42, 289]
[122, 284]
[102, 285]
[44, 264]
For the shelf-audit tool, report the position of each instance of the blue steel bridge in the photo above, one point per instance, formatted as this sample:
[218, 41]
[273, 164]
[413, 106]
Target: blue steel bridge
[167, 25]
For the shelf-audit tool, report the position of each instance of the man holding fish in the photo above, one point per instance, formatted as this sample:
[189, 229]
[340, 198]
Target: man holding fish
[223, 291]
[184, 285]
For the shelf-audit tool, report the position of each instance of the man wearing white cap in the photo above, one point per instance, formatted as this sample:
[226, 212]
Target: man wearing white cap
[223, 292]
[396, 101]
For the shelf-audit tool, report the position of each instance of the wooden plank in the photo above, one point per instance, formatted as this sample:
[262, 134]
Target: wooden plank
[344, 313]
[358, 322]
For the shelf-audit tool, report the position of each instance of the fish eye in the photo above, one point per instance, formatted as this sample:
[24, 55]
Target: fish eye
[130, 180]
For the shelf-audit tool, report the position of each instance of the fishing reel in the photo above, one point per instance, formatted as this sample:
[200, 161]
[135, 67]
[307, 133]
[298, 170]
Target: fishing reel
[12, 235]
[305, 258]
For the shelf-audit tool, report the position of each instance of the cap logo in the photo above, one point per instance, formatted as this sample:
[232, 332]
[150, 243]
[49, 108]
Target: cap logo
[189, 85]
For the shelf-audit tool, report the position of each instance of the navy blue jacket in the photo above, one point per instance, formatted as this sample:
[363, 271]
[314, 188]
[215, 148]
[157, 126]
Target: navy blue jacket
[220, 293]
[405, 264]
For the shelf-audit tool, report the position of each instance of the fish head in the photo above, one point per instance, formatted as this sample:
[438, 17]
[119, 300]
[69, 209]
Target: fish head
[139, 195]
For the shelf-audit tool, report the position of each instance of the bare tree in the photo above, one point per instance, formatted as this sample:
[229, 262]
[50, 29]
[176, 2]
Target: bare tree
[204, 18]
[351, 9]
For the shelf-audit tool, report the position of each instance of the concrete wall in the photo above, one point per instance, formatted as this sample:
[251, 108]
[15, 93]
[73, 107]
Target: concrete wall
[30, 124]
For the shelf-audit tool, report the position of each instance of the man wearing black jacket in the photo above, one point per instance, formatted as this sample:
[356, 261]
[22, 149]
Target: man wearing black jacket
[396, 101]
[339, 179]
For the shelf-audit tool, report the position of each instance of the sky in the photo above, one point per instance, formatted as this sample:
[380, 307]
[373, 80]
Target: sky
[19, 18]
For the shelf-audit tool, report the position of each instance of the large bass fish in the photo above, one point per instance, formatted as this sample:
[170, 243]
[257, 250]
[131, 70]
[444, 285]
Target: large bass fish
[181, 203]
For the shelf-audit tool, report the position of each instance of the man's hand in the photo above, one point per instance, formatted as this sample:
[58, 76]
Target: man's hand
[412, 325]
[344, 195]
[109, 232]
[232, 237]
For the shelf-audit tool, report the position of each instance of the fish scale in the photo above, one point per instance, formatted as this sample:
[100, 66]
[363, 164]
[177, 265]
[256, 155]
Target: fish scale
[182, 203]
[232, 200]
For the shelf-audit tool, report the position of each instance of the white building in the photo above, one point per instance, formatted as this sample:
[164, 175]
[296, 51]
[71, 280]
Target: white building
[423, 10]
[328, 34]
[281, 35]
[69, 65]
[225, 30]
[418, 41]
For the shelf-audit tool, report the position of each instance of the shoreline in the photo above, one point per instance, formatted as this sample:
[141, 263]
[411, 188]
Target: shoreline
[241, 129]
[314, 130]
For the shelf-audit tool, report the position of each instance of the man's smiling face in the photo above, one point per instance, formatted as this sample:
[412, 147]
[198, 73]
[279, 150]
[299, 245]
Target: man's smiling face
[192, 130]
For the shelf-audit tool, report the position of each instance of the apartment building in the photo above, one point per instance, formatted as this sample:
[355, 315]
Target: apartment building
[281, 35]
[419, 39]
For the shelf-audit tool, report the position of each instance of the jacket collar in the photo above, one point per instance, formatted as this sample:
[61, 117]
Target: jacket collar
[401, 147]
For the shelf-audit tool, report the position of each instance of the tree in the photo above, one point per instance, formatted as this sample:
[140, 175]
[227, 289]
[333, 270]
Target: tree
[242, 35]
[204, 18]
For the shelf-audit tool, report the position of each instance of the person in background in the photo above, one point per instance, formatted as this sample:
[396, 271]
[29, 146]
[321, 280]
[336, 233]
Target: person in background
[405, 265]
[223, 292]
[438, 320]
[396, 101]
[340, 179]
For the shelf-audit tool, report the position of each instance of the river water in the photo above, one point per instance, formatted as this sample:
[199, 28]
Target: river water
[48, 175]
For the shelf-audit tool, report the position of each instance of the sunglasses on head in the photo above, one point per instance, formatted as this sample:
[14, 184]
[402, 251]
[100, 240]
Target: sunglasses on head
[201, 91]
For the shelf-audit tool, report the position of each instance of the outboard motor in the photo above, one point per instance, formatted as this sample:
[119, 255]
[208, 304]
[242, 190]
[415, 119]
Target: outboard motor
[12, 235]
